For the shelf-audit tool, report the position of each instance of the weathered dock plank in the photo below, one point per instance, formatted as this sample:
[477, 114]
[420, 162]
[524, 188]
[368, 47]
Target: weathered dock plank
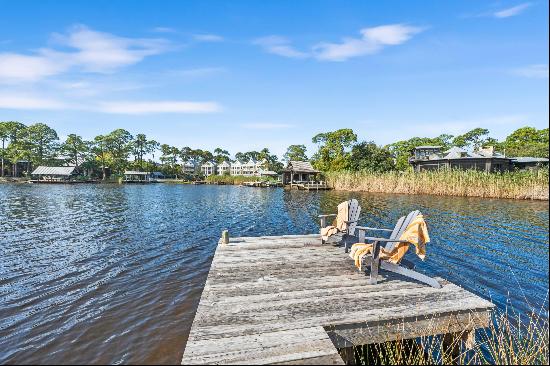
[289, 299]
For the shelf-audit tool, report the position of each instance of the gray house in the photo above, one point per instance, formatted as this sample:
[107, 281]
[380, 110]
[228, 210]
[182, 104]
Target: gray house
[485, 159]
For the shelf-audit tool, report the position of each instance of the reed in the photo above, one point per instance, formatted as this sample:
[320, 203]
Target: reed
[510, 340]
[531, 185]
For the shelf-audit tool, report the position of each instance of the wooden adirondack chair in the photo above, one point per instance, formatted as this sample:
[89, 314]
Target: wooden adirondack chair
[349, 235]
[404, 267]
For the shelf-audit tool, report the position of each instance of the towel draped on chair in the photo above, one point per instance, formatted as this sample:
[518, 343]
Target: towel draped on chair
[416, 234]
[339, 224]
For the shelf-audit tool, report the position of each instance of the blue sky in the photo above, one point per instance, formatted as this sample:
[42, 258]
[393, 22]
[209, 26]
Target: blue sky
[245, 75]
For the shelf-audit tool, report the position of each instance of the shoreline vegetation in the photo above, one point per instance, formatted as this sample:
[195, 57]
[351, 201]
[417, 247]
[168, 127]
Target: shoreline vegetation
[523, 185]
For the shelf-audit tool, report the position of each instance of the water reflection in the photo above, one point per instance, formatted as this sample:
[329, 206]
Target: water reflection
[109, 274]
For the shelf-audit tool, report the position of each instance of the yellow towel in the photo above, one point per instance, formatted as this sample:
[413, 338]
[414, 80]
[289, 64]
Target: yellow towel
[339, 223]
[416, 233]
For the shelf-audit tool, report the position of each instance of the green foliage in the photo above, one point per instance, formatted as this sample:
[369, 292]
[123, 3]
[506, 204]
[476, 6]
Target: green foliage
[39, 143]
[333, 153]
[75, 149]
[295, 153]
[527, 141]
[118, 145]
[472, 139]
[402, 150]
[368, 156]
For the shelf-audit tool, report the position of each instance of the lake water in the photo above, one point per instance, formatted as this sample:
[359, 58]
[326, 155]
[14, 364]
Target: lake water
[113, 274]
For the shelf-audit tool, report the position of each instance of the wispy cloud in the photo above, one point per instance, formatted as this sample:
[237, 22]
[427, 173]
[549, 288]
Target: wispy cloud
[208, 38]
[198, 72]
[33, 102]
[266, 126]
[89, 51]
[538, 71]
[372, 40]
[164, 30]
[510, 12]
[279, 46]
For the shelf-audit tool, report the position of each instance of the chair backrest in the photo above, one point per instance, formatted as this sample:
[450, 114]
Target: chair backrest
[353, 214]
[400, 228]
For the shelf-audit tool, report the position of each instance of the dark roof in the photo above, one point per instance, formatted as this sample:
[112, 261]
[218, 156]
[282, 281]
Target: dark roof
[300, 166]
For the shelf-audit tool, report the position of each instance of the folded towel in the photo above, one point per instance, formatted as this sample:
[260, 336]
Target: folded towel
[339, 224]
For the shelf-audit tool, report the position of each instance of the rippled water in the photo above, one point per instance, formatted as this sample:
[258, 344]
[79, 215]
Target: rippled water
[113, 274]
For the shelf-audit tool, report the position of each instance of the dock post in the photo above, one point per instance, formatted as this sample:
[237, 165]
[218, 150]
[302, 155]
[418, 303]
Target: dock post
[225, 237]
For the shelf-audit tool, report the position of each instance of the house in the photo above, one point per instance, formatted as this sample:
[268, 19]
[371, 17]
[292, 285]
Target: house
[236, 168]
[132, 176]
[54, 173]
[299, 171]
[249, 168]
[224, 168]
[529, 163]
[157, 175]
[189, 168]
[485, 159]
[209, 168]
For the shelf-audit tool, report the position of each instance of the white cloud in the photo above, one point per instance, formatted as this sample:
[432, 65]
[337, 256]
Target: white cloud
[510, 12]
[538, 71]
[279, 46]
[208, 38]
[266, 126]
[372, 41]
[90, 51]
[150, 107]
[198, 72]
[25, 101]
[9, 101]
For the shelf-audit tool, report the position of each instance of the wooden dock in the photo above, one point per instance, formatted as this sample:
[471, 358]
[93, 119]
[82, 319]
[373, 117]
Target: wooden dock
[289, 299]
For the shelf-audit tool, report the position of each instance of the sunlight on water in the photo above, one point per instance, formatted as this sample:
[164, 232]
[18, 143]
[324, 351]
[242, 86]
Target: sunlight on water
[113, 274]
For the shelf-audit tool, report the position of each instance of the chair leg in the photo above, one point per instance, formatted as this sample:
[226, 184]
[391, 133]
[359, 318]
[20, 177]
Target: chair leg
[375, 263]
[409, 273]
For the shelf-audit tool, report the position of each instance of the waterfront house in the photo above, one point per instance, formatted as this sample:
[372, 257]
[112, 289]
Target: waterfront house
[189, 168]
[132, 176]
[249, 168]
[209, 168]
[236, 168]
[54, 173]
[299, 171]
[224, 168]
[485, 159]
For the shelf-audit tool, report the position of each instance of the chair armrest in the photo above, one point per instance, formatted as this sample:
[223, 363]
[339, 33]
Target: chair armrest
[386, 240]
[366, 228]
[329, 215]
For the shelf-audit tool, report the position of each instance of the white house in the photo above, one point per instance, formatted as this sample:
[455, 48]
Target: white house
[209, 168]
[236, 168]
[224, 168]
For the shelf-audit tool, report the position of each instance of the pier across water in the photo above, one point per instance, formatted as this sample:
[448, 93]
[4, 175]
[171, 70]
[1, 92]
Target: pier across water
[289, 299]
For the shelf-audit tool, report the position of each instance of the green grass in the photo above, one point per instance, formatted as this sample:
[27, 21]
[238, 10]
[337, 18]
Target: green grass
[470, 183]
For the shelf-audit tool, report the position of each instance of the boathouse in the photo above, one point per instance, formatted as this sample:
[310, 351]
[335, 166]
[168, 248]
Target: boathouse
[298, 172]
[132, 176]
[54, 173]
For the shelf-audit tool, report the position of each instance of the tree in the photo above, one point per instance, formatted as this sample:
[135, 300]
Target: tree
[295, 153]
[40, 143]
[527, 141]
[75, 148]
[333, 153]
[15, 131]
[99, 149]
[474, 138]
[141, 147]
[221, 155]
[272, 161]
[368, 156]
[118, 144]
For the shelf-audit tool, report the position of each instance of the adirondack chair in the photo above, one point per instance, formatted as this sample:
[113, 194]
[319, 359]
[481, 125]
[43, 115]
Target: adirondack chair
[349, 235]
[404, 267]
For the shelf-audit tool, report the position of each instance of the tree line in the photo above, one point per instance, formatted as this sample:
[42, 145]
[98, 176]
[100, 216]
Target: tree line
[337, 150]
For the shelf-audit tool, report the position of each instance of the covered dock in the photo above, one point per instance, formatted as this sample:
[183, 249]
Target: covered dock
[292, 300]
[131, 176]
[53, 174]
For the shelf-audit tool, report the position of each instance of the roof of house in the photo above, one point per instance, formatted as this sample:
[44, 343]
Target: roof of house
[528, 159]
[209, 163]
[54, 170]
[224, 163]
[135, 172]
[300, 166]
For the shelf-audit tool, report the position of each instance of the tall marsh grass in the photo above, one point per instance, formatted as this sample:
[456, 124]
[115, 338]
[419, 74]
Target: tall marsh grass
[510, 340]
[532, 185]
